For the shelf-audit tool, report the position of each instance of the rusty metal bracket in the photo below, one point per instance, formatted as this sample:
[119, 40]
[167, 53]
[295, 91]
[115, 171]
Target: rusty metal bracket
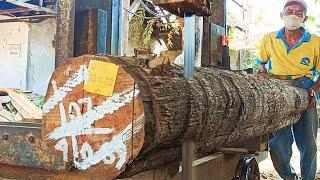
[21, 145]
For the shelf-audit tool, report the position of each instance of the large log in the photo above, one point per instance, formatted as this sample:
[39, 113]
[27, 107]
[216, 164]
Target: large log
[151, 112]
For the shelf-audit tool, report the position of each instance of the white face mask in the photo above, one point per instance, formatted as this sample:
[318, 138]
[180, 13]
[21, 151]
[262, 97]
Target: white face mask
[292, 22]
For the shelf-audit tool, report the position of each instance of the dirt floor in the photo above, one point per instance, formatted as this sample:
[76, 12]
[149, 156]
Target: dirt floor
[268, 173]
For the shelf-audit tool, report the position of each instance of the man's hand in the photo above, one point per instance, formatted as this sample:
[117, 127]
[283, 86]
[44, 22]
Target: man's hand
[312, 99]
[262, 69]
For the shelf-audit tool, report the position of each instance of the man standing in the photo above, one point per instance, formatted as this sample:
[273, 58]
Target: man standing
[294, 54]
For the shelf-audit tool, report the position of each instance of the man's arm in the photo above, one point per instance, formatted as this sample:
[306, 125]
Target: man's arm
[262, 68]
[312, 94]
[263, 56]
[315, 87]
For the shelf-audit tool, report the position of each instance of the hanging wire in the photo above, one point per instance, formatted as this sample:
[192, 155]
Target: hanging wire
[132, 122]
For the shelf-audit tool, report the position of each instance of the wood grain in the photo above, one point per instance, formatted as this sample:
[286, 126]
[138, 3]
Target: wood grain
[215, 109]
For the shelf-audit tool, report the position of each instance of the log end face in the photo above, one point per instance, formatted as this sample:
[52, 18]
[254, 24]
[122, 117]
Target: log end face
[87, 129]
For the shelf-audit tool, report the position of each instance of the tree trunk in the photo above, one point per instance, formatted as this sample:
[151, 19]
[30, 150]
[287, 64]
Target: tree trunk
[151, 112]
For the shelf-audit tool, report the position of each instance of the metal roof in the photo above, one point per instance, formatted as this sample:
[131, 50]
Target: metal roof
[27, 10]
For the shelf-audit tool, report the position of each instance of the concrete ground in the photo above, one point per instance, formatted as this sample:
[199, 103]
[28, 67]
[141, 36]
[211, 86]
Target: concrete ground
[268, 172]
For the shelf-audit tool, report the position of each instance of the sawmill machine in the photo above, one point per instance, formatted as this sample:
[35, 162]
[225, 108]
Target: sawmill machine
[138, 122]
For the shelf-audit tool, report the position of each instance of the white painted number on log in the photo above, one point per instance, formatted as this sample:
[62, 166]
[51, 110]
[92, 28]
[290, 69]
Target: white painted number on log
[81, 124]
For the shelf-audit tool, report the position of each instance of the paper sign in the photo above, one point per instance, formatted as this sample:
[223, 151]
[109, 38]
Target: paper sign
[14, 49]
[102, 78]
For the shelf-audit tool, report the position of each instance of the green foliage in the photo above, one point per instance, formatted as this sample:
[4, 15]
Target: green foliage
[312, 19]
[142, 29]
[136, 22]
[231, 33]
[249, 59]
[136, 26]
[41, 102]
[148, 31]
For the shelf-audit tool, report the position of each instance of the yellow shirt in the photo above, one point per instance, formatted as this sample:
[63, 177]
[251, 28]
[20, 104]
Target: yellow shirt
[301, 60]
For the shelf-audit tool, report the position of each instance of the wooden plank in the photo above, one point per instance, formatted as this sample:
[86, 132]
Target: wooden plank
[124, 27]
[234, 150]
[18, 118]
[206, 43]
[120, 27]
[25, 107]
[85, 36]
[4, 99]
[212, 167]
[15, 10]
[180, 7]
[101, 31]
[21, 110]
[91, 35]
[6, 115]
[13, 19]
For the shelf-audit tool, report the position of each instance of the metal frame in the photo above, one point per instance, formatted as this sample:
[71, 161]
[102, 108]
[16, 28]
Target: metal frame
[21, 144]
[189, 57]
[189, 44]
[31, 6]
[23, 6]
[27, 18]
[15, 10]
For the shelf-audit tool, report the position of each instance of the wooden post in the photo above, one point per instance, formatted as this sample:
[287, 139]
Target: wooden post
[120, 27]
[91, 33]
[218, 17]
[123, 27]
[65, 31]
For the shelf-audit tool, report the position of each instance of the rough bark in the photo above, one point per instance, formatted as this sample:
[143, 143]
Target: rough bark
[215, 108]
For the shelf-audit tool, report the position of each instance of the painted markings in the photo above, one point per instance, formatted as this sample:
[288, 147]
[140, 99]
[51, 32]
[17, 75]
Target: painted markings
[108, 150]
[80, 76]
[81, 124]
[84, 156]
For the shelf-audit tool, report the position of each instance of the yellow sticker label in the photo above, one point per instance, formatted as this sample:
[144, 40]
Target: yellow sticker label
[102, 78]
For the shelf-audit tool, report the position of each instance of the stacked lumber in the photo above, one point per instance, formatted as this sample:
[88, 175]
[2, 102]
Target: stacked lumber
[15, 107]
[142, 123]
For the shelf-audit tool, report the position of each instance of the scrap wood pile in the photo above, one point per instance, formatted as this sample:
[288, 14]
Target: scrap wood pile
[109, 116]
[18, 106]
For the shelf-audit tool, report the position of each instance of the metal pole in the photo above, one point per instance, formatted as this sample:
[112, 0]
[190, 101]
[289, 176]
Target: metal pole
[189, 58]
[189, 44]
[187, 159]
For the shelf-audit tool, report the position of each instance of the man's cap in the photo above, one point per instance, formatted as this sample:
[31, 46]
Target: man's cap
[302, 2]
